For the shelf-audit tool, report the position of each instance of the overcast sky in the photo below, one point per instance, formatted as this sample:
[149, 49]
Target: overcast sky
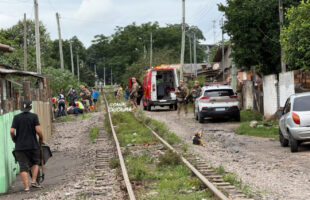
[86, 18]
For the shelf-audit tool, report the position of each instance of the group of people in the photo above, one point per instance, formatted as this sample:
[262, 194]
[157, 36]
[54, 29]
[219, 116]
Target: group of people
[88, 101]
[119, 92]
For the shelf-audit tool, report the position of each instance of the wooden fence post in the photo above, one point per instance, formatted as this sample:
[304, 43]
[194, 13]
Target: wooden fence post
[26, 89]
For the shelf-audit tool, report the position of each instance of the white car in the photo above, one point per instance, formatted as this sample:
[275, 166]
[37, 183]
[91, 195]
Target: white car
[295, 121]
[217, 100]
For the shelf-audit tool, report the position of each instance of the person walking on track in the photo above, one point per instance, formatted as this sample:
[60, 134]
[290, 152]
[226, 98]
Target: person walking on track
[134, 94]
[195, 92]
[24, 129]
[182, 96]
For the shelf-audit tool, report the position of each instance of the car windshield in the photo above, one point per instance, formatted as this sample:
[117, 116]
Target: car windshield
[218, 93]
[302, 104]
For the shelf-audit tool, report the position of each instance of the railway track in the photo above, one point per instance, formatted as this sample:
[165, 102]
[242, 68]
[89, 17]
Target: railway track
[213, 181]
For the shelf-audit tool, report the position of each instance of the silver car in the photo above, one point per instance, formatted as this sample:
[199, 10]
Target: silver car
[294, 124]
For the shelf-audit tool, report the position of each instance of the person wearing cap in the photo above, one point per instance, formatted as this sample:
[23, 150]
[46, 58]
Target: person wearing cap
[195, 92]
[24, 129]
[182, 97]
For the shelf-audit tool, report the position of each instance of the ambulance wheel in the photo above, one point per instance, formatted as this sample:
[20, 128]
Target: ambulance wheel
[149, 108]
[175, 106]
[171, 107]
[144, 107]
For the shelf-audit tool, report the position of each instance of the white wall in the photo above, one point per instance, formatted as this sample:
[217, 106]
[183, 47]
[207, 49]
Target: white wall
[270, 95]
[248, 98]
[286, 86]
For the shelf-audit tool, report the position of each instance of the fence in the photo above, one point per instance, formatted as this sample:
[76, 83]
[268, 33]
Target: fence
[8, 167]
[43, 110]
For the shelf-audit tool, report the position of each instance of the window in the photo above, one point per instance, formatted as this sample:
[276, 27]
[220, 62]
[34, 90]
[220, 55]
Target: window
[302, 104]
[287, 107]
[219, 93]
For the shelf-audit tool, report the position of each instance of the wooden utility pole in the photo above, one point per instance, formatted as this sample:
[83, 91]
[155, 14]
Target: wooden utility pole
[104, 76]
[190, 50]
[283, 65]
[78, 66]
[195, 56]
[72, 63]
[111, 77]
[37, 35]
[151, 50]
[214, 32]
[25, 43]
[183, 40]
[223, 50]
[60, 44]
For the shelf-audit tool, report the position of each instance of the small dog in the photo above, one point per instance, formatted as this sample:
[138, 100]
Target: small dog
[197, 139]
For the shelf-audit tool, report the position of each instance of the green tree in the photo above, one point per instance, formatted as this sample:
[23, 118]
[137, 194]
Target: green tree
[295, 36]
[14, 37]
[253, 27]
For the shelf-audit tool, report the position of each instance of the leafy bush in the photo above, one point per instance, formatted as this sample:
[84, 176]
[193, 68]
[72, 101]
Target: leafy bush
[169, 158]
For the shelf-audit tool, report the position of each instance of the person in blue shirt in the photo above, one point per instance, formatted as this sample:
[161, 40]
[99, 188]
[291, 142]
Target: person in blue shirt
[95, 95]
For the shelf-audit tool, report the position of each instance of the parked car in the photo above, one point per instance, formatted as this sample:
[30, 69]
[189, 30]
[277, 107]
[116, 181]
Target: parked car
[217, 100]
[294, 124]
[159, 85]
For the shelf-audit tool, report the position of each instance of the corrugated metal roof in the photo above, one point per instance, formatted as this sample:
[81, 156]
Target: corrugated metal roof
[20, 73]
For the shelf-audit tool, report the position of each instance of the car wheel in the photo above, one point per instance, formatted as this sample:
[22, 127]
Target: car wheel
[293, 144]
[175, 106]
[171, 107]
[284, 142]
[200, 118]
[144, 107]
[196, 115]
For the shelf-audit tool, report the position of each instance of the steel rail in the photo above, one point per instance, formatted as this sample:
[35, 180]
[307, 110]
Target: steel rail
[214, 189]
[121, 159]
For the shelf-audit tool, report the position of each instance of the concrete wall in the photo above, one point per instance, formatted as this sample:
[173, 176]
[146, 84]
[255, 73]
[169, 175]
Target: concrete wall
[248, 98]
[8, 167]
[286, 86]
[270, 95]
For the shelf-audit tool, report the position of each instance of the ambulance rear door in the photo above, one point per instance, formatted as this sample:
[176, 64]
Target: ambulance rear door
[153, 86]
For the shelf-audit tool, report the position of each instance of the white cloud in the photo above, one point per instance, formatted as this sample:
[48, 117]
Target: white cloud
[93, 9]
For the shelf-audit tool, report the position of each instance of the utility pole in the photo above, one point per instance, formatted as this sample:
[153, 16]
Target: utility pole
[25, 43]
[111, 77]
[151, 50]
[72, 63]
[223, 47]
[60, 44]
[195, 56]
[214, 32]
[78, 66]
[37, 35]
[283, 65]
[183, 40]
[190, 51]
[104, 76]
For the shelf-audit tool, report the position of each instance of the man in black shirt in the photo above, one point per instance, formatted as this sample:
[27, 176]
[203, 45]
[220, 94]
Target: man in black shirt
[27, 149]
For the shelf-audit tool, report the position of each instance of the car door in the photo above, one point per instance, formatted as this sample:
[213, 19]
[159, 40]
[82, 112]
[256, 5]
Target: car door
[283, 119]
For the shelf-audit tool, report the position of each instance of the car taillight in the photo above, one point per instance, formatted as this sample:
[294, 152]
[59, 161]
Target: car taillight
[204, 98]
[296, 118]
[233, 96]
[153, 87]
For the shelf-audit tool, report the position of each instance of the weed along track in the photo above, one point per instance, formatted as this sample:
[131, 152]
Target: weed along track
[156, 170]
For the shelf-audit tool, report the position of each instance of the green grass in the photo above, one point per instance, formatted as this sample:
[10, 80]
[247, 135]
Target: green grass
[234, 180]
[269, 131]
[94, 132]
[130, 130]
[67, 118]
[165, 182]
[249, 115]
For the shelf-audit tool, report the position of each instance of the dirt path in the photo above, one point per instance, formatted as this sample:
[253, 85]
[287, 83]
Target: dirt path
[272, 171]
[70, 173]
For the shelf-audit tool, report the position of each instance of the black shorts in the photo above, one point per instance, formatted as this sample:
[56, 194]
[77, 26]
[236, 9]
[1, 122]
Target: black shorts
[95, 100]
[27, 158]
